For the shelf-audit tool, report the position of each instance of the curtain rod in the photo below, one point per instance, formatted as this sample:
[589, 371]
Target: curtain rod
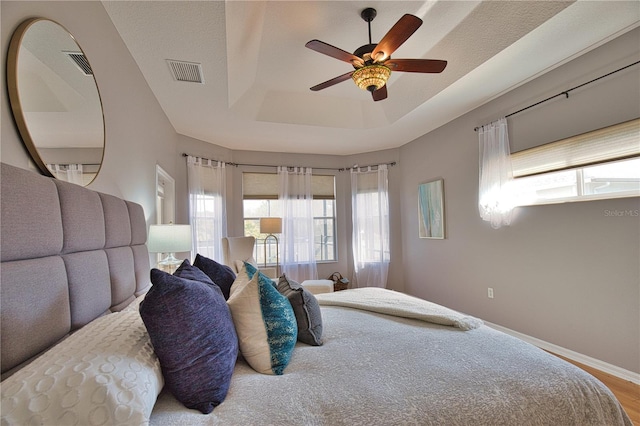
[566, 92]
[393, 163]
[358, 166]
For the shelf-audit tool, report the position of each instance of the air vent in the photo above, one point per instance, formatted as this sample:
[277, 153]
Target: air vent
[81, 62]
[186, 71]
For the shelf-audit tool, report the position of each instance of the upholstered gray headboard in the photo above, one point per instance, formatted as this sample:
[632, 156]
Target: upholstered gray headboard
[69, 255]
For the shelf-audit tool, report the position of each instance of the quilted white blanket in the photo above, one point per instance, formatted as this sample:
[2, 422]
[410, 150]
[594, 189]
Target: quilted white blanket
[398, 304]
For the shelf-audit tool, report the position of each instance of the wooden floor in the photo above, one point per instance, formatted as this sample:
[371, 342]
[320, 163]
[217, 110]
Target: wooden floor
[628, 393]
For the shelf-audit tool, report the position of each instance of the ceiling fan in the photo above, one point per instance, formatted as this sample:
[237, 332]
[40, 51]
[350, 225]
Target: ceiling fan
[372, 62]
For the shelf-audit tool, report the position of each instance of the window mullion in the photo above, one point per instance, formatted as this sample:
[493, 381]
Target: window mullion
[580, 181]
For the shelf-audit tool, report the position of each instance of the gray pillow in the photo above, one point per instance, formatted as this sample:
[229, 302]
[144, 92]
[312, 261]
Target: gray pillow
[306, 309]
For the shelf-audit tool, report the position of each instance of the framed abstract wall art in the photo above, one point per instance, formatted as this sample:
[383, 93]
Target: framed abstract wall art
[431, 209]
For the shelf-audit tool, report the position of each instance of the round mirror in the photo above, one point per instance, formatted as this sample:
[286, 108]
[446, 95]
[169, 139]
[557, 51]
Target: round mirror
[55, 101]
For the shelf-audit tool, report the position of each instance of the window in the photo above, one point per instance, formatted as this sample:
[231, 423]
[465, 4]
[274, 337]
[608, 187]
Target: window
[324, 221]
[207, 212]
[370, 215]
[604, 163]
[260, 199]
[165, 200]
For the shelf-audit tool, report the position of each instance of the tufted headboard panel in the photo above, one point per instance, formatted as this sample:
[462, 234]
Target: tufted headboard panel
[69, 255]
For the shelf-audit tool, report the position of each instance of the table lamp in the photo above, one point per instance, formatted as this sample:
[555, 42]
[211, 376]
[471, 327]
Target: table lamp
[169, 239]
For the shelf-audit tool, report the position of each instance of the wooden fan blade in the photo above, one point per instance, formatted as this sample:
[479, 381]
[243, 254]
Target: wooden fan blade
[335, 80]
[397, 35]
[334, 52]
[416, 65]
[380, 94]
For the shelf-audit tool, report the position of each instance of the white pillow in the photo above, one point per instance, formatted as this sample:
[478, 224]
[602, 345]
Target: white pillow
[265, 323]
[135, 304]
[241, 280]
[105, 373]
[239, 264]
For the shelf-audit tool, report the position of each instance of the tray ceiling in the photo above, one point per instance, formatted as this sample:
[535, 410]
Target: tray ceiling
[257, 71]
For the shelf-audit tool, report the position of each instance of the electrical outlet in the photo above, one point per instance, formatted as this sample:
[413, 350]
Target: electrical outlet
[490, 293]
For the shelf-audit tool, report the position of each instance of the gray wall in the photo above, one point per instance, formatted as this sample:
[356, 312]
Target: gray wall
[566, 273]
[138, 133]
[571, 274]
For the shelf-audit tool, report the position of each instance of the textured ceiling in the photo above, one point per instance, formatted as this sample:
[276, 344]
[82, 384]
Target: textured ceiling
[258, 72]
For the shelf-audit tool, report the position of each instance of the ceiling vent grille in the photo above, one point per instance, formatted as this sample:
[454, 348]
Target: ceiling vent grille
[81, 62]
[186, 71]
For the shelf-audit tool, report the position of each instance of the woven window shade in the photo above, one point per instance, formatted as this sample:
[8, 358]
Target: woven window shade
[607, 144]
[367, 182]
[264, 186]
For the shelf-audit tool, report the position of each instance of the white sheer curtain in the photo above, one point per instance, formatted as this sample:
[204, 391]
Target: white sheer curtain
[70, 172]
[495, 197]
[370, 213]
[297, 242]
[207, 206]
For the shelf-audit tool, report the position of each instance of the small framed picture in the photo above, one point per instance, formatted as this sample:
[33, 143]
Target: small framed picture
[431, 209]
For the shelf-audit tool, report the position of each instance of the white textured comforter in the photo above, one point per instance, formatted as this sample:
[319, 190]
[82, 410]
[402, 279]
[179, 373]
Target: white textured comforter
[378, 369]
[391, 302]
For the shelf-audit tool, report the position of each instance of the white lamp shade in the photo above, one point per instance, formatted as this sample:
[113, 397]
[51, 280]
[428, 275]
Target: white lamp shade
[270, 225]
[169, 238]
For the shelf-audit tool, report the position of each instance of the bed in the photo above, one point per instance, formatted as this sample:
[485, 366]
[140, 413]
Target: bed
[76, 284]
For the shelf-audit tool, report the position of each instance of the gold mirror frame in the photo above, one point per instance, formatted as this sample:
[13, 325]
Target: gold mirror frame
[19, 95]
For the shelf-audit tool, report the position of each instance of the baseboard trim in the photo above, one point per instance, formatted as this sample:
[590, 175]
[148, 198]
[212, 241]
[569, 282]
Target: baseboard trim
[572, 355]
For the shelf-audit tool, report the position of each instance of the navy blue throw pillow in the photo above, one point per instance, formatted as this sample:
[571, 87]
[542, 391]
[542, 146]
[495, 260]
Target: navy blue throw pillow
[192, 272]
[192, 333]
[220, 274]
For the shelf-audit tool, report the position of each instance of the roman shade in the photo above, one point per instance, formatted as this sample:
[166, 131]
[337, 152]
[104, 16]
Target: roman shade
[598, 146]
[265, 186]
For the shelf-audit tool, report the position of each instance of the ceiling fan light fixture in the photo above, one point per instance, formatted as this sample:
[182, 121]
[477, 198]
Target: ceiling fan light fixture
[380, 57]
[372, 62]
[371, 77]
